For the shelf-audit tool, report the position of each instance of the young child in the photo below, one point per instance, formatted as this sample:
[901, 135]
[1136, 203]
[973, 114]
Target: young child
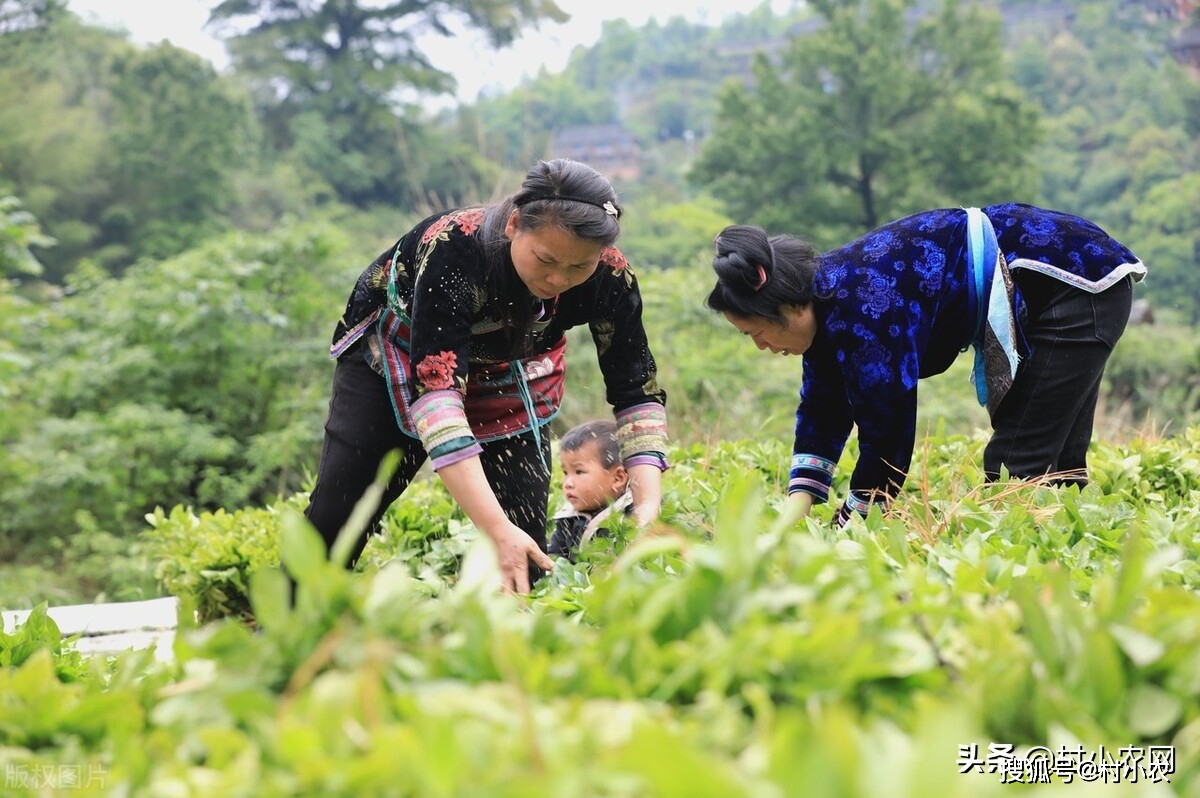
[594, 486]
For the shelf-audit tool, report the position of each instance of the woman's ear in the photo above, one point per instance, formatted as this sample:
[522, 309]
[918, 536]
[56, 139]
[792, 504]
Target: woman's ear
[795, 314]
[510, 226]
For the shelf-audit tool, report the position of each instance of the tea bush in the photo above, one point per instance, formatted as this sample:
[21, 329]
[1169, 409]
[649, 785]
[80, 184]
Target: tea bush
[941, 650]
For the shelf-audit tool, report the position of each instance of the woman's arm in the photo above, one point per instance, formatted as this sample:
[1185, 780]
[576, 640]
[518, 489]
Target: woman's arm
[823, 425]
[798, 506]
[448, 267]
[470, 489]
[631, 382]
[645, 485]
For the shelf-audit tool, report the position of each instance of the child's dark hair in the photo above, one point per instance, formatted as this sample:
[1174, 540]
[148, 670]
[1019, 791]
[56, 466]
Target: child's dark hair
[563, 193]
[601, 432]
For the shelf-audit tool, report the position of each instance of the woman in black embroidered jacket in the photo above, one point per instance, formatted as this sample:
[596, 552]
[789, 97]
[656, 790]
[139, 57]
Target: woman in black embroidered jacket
[452, 349]
[1042, 295]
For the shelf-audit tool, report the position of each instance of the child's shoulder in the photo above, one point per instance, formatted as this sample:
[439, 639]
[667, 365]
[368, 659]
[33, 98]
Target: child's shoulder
[567, 511]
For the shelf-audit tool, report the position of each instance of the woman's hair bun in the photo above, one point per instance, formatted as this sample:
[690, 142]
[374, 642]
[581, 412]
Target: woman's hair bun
[744, 257]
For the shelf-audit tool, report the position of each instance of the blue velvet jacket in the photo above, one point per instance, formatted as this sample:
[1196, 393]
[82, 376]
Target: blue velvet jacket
[895, 306]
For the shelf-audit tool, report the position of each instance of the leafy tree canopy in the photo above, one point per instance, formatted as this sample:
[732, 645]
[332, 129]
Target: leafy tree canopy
[307, 48]
[120, 151]
[26, 15]
[328, 78]
[876, 111]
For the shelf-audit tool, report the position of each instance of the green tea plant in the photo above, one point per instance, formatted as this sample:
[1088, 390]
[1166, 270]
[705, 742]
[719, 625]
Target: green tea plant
[208, 558]
[938, 650]
[38, 634]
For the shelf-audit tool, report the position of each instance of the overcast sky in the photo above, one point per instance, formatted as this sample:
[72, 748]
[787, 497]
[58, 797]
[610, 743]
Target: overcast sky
[474, 65]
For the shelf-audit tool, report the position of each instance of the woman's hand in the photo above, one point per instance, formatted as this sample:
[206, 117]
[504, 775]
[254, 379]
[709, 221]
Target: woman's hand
[514, 548]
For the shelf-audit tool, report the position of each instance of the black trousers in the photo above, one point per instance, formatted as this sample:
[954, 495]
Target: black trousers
[1044, 424]
[360, 431]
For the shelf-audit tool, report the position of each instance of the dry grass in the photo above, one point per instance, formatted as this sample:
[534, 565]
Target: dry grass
[932, 512]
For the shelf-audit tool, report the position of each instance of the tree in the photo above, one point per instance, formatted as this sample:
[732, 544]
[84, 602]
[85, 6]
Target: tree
[312, 47]
[1165, 234]
[19, 230]
[347, 62]
[120, 151]
[26, 15]
[179, 134]
[672, 235]
[1122, 146]
[53, 133]
[876, 111]
[196, 380]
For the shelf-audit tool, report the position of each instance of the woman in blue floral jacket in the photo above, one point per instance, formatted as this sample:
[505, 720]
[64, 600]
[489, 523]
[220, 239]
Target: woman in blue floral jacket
[452, 348]
[1042, 296]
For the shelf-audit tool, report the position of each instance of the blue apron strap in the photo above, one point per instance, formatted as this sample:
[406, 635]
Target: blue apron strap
[979, 247]
[518, 370]
[975, 255]
[991, 303]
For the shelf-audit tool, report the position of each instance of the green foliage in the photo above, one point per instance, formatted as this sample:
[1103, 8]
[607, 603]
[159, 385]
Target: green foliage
[19, 231]
[89, 566]
[672, 234]
[121, 152]
[12, 310]
[659, 80]
[326, 77]
[179, 135]
[52, 131]
[329, 46]
[79, 724]
[207, 559]
[38, 633]
[113, 465]
[515, 128]
[24, 15]
[1121, 147]
[195, 380]
[1154, 375]
[1166, 230]
[722, 653]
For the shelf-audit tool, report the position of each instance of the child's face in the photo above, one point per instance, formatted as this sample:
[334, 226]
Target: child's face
[587, 485]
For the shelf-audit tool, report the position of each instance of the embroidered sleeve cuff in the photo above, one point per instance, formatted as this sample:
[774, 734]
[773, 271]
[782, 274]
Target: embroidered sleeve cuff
[856, 504]
[352, 334]
[642, 430]
[440, 419]
[656, 459]
[454, 451]
[811, 474]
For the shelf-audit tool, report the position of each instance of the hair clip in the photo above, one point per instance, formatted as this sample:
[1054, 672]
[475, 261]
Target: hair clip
[762, 278]
[609, 207]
